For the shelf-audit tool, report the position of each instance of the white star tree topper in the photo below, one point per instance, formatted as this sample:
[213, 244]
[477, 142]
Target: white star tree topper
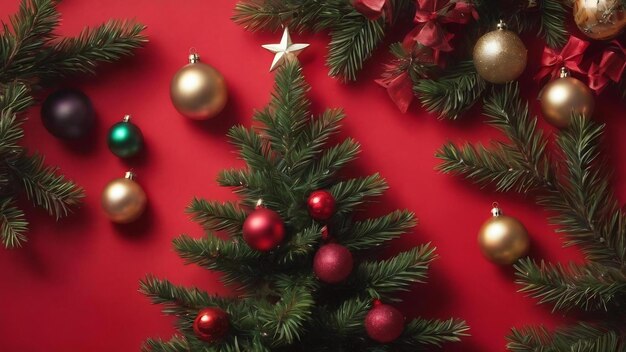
[285, 50]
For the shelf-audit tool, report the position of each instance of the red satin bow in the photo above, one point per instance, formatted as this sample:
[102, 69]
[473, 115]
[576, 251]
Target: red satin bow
[570, 56]
[373, 9]
[431, 14]
[400, 86]
[610, 68]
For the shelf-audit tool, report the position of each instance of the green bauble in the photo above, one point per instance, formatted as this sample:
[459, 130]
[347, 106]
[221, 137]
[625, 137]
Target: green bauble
[125, 139]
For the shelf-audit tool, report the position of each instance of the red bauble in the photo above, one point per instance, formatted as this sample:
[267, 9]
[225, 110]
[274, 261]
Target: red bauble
[332, 263]
[384, 323]
[211, 324]
[263, 229]
[321, 205]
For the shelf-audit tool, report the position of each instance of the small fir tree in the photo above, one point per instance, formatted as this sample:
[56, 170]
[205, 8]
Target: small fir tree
[282, 305]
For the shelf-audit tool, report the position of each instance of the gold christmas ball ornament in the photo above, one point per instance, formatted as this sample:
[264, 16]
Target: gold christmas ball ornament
[564, 97]
[123, 199]
[198, 91]
[503, 239]
[600, 19]
[500, 56]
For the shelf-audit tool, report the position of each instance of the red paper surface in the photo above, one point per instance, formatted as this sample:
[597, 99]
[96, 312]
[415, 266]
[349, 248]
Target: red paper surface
[73, 287]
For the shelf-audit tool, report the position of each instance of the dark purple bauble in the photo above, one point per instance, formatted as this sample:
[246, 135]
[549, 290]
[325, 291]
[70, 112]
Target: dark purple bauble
[68, 114]
[332, 263]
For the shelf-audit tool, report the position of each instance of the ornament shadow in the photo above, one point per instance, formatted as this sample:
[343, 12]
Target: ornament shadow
[219, 125]
[139, 230]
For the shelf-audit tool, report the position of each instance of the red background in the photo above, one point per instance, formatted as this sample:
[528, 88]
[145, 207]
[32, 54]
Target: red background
[73, 287]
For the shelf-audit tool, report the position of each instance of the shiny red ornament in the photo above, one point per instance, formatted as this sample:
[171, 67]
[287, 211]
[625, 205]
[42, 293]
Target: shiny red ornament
[384, 323]
[211, 324]
[332, 263]
[263, 229]
[321, 205]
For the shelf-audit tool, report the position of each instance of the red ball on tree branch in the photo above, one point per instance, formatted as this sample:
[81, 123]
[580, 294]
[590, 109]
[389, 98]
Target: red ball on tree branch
[384, 323]
[263, 229]
[332, 263]
[321, 205]
[211, 324]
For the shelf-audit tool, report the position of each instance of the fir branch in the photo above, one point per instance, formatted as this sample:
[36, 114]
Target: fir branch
[332, 161]
[423, 332]
[21, 45]
[252, 149]
[353, 41]
[285, 319]
[288, 113]
[108, 42]
[238, 262]
[348, 318]
[300, 246]
[215, 216]
[351, 193]
[375, 232]
[548, 21]
[452, 94]
[178, 300]
[45, 187]
[255, 15]
[585, 199]
[397, 273]
[588, 287]
[521, 165]
[175, 344]
[313, 140]
[13, 224]
[15, 98]
[578, 338]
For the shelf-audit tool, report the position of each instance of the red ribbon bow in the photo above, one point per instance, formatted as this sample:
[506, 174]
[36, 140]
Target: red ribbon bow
[373, 9]
[610, 68]
[400, 86]
[570, 56]
[431, 14]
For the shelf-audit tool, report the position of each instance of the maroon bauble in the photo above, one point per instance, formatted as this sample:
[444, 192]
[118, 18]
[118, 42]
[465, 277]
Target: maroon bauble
[384, 323]
[68, 114]
[211, 324]
[332, 263]
[263, 229]
[321, 205]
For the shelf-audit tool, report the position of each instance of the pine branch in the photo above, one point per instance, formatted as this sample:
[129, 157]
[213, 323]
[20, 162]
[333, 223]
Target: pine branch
[397, 273]
[255, 15]
[375, 232]
[13, 224]
[175, 344]
[45, 187]
[108, 42]
[353, 41]
[178, 300]
[579, 338]
[588, 287]
[452, 94]
[215, 216]
[585, 202]
[238, 262]
[351, 193]
[332, 161]
[285, 319]
[15, 98]
[424, 332]
[548, 21]
[21, 45]
[348, 319]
